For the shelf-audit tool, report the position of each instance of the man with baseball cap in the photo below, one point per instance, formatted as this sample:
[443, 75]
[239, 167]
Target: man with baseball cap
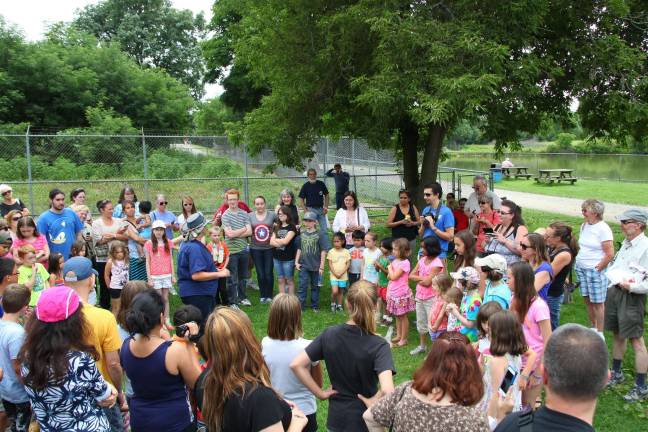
[80, 276]
[492, 269]
[626, 300]
[5, 245]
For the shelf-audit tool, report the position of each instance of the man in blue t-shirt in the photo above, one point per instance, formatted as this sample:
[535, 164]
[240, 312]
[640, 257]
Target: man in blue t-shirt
[437, 220]
[61, 226]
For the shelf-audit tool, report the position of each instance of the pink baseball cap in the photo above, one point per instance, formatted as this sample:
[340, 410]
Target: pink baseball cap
[56, 304]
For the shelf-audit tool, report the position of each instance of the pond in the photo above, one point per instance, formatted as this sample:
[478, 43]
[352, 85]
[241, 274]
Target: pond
[622, 167]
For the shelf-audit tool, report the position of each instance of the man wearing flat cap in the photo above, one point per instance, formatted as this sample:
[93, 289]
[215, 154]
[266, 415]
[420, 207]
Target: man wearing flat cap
[626, 300]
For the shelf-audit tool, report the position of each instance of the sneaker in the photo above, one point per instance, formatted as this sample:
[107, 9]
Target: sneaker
[418, 350]
[388, 319]
[253, 285]
[339, 308]
[636, 394]
[245, 302]
[315, 310]
[615, 379]
[333, 307]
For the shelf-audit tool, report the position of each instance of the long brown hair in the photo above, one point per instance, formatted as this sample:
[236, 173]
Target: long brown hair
[235, 360]
[452, 367]
[154, 241]
[537, 243]
[506, 335]
[566, 235]
[285, 318]
[47, 345]
[524, 292]
[361, 302]
[470, 250]
[128, 293]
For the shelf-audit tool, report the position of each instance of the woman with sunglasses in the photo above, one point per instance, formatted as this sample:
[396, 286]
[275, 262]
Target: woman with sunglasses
[12, 219]
[188, 208]
[534, 251]
[404, 219]
[485, 222]
[27, 234]
[9, 203]
[161, 213]
[508, 233]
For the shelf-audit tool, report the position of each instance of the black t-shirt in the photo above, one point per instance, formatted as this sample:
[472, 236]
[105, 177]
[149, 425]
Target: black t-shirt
[354, 360]
[313, 193]
[287, 252]
[6, 208]
[545, 420]
[257, 410]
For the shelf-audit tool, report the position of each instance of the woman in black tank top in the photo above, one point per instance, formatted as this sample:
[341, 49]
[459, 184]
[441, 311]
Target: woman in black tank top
[562, 250]
[403, 218]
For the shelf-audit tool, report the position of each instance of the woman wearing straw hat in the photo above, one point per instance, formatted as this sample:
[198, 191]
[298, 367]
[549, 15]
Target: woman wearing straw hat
[197, 273]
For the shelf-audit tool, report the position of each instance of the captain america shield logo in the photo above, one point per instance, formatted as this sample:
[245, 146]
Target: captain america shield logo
[261, 233]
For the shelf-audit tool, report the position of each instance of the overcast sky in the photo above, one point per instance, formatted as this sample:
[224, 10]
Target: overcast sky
[33, 16]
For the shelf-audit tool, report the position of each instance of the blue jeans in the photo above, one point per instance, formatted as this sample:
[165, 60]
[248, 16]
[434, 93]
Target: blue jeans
[321, 220]
[237, 281]
[114, 418]
[315, 279]
[284, 269]
[265, 271]
[554, 310]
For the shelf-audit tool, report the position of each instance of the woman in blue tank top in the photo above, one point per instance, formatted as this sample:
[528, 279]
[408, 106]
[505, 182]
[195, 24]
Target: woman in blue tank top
[534, 251]
[160, 371]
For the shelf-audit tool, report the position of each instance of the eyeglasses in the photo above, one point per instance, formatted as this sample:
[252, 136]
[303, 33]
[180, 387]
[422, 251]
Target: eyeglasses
[163, 203]
[525, 247]
[506, 213]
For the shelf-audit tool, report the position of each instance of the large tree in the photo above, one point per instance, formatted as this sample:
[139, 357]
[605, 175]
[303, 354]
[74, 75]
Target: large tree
[152, 32]
[52, 83]
[402, 74]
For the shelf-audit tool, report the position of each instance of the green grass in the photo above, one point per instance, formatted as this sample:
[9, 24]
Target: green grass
[612, 412]
[604, 190]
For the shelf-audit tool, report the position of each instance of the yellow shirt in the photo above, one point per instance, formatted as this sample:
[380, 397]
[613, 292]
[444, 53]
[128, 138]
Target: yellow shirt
[104, 335]
[338, 260]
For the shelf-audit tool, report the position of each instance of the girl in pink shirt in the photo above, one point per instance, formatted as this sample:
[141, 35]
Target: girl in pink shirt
[159, 264]
[533, 314]
[426, 295]
[399, 294]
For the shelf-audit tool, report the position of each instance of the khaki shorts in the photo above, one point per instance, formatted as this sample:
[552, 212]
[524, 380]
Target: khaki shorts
[624, 313]
[423, 308]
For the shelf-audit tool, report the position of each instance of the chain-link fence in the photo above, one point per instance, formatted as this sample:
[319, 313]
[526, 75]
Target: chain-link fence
[198, 166]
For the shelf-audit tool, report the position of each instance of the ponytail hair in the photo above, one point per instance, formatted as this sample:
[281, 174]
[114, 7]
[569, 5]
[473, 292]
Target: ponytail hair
[361, 301]
[516, 210]
[144, 313]
[566, 235]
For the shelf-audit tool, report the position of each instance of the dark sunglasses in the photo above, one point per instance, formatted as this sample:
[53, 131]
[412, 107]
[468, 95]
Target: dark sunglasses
[16, 218]
[163, 203]
[506, 213]
[7, 192]
[486, 269]
[186, 204]
[4, 228]
[626, 222]
[525, 247]
[484, 202]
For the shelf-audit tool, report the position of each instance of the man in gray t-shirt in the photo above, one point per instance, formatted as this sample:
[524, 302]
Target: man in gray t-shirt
[311, 255]
[236, 227]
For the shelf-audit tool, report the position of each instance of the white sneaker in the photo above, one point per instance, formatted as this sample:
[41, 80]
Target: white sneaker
[418, 350]
[245, 302]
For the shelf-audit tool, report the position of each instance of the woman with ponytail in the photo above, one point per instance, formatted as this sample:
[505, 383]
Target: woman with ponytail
[357, 360]
[563, 248]
[160, 371]
[234, 393]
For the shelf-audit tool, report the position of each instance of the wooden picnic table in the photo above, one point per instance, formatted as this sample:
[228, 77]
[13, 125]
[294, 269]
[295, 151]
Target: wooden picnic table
[556, 175]
[520, 172]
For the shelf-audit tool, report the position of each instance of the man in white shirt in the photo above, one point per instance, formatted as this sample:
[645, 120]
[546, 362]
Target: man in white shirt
[626, 301]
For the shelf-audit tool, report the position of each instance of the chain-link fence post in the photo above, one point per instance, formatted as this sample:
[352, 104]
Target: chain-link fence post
[29, 171]
[246, 183]
[376, 174]
[325, 163]
[145, 166]
[355, 183]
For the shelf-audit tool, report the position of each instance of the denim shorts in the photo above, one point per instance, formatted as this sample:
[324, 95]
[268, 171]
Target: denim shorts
[284, 269]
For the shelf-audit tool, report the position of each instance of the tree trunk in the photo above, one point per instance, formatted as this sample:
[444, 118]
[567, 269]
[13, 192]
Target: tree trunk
[409, 138]
[432, 154]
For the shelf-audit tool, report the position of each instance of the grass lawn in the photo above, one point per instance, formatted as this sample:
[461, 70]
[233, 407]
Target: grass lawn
[604, 190]
[612, 412]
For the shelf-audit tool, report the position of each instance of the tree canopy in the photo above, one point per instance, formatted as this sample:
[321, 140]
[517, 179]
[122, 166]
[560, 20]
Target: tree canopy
[52, 83]
[403, 74]
[153, 33]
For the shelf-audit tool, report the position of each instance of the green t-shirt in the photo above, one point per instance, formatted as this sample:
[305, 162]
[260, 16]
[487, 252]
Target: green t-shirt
[382, 276]
[41, 282]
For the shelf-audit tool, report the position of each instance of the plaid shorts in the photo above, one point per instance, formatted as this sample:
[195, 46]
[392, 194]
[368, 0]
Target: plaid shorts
[593, 284]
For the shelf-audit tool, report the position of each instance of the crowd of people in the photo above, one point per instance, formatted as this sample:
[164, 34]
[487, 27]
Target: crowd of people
[89, 341]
